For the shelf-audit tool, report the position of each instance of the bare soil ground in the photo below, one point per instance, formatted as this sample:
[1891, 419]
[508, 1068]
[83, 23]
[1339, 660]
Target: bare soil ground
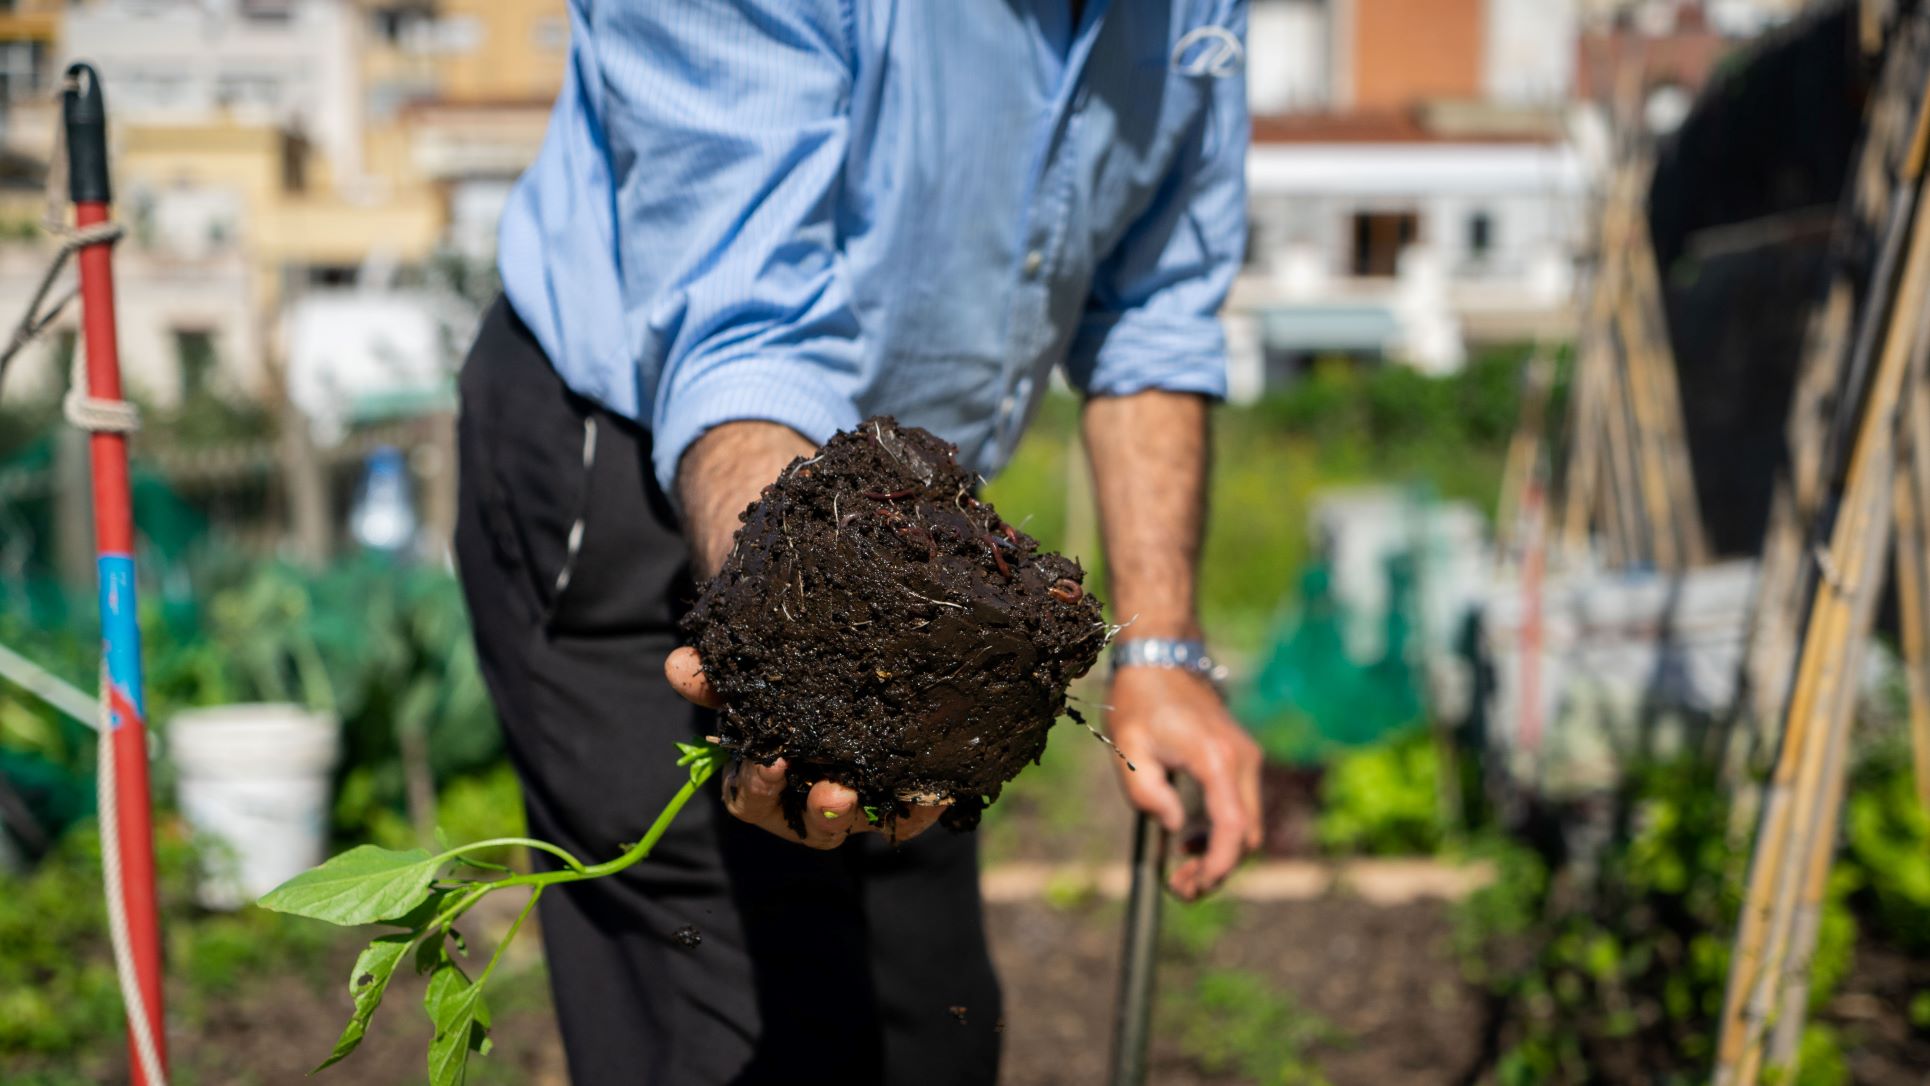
[1362, 968]
[1362, 948]
[1381, 976]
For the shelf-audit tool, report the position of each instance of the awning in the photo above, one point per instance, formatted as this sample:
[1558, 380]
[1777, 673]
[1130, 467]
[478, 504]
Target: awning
[1329, 328]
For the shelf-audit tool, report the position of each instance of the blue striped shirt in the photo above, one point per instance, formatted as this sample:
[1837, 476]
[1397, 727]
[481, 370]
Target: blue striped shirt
[811, 211]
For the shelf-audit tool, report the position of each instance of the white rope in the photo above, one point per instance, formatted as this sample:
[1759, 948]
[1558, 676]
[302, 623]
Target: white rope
[93, 413]
[107, 801]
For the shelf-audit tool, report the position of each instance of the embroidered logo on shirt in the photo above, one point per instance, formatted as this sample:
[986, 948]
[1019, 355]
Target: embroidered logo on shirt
[1211, 51]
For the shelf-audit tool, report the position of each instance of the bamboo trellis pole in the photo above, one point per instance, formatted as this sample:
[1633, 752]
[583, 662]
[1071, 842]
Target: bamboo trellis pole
[1913, 575]
[1658, 401]
[1628, 469]
[1797, 818]
[1526, 450]
[1817, 407]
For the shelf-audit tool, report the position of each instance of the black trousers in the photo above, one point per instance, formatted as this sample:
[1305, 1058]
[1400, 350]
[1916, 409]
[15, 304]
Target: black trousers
[867, 964]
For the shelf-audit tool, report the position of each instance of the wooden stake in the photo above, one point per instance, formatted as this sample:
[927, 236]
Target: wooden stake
[1913, 577]
[1842, 607]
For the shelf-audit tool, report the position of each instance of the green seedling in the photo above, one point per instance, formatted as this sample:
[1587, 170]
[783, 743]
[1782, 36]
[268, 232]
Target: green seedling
[425, 895]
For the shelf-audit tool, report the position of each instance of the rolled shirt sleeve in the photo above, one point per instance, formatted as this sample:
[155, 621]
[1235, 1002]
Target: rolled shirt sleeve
[1152, 321]
[728, 130]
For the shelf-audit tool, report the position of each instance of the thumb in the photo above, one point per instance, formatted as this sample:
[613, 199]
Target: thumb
[685, 670]
[1148, 789]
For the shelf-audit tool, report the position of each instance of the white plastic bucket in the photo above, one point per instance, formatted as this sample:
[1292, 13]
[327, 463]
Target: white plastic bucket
[253, 782]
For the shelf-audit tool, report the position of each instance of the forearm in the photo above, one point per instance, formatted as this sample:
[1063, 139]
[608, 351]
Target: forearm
[721, 474]
[1149, 463]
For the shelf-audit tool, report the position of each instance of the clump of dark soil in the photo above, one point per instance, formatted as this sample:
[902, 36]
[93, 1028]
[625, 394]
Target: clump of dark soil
[878, 626]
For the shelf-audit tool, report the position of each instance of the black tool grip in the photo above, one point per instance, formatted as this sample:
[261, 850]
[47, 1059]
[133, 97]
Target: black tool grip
[85, 116]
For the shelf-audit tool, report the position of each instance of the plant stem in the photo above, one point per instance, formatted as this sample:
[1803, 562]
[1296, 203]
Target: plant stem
[578, 872]
[503, 943]
[461, 905]
[526, 842]
[642, 848]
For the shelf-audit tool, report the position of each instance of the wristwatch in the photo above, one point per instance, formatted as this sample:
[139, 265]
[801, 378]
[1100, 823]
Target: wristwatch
[1173, 652]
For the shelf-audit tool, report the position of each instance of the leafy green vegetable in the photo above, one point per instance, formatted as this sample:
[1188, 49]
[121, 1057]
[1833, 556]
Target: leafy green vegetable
[462, 1024]
[412, 889]
[366, 983]
[1384, 799]
[364, 885]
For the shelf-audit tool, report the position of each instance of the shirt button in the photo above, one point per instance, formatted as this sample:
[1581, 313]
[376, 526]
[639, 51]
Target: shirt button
[1034, 260]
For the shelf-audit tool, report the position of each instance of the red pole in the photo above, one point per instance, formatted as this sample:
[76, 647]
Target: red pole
[114, 544]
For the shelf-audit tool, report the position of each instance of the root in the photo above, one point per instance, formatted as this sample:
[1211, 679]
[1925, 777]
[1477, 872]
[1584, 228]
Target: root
[1097, 734]
[928, 599]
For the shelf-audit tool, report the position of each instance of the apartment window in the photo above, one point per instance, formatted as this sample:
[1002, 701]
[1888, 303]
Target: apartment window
[1379, 237]
[1480, 235]
[399, 24]
[268, 11]
[247, 90]
[455, 35]
[331, 275]
[23, 70]
[552, 34]
[194, 354]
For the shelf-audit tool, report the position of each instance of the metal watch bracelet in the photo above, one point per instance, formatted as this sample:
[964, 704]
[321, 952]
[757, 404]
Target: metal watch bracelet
[1169, 652]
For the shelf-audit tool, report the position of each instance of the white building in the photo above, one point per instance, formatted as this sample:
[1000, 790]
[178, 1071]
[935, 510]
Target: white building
[1391, 244]
[286, 64]
[1412, 190]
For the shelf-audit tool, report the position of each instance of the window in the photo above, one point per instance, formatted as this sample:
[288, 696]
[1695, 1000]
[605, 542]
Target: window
[268, 11]
[23, 70]
[1379, 238]
[331, 275]
[194, 354]
[552, 34]
[1480, 235]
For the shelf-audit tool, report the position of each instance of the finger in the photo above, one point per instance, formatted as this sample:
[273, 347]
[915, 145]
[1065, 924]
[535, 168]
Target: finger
[752, 791]
[831, 814]
[916, 819]
[685, 670]
[1256, 830]
[1148, 789]
[1185, 879]
[1220, 785]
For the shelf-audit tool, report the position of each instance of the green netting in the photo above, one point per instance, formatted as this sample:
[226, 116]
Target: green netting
[168, 530]
[1310, 697]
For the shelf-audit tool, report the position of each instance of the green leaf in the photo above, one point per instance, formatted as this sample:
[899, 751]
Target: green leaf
[361, 886]
[432, 953]
[373, 968]
[703, 759]
[418, 918]
[462, 1025]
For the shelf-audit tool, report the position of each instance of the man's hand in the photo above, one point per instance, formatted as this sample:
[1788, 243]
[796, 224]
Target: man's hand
[1165, 720]
[753, 792]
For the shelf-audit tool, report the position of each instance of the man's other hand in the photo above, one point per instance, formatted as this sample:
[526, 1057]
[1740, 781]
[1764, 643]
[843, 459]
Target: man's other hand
[753, 792]
[1166, 720]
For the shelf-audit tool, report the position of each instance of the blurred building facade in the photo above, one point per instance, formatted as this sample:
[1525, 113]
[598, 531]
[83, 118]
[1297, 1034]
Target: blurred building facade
[1422, 170]
[290, 170]
[1419, 176]
[1413, 191]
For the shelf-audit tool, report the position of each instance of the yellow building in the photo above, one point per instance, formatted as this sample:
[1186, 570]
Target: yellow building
[280, 145]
